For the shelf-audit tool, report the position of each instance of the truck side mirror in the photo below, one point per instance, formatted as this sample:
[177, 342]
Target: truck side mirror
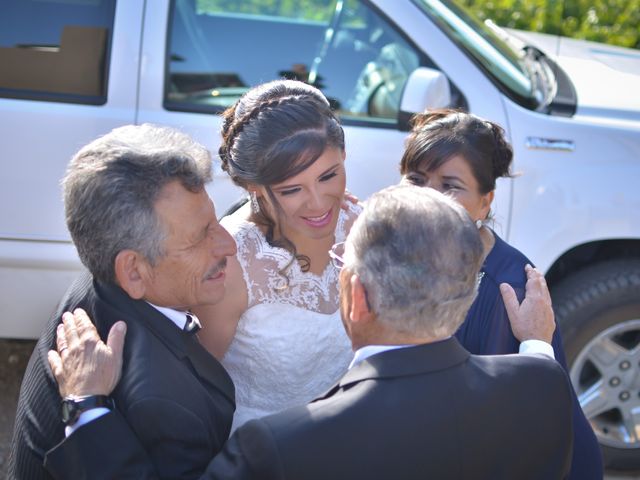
[425, 88]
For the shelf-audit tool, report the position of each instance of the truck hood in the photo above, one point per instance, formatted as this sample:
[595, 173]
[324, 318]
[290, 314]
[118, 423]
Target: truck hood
[606, 78]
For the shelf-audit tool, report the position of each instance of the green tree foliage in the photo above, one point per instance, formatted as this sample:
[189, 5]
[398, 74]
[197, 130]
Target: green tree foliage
[616, 22]
[318, 10]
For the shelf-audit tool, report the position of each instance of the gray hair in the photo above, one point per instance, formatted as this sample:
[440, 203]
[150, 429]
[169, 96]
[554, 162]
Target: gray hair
[418, 254]
[111, 186]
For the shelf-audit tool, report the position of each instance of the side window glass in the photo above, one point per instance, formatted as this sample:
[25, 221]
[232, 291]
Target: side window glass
[55, 50]
[366, 64]
[221, 48]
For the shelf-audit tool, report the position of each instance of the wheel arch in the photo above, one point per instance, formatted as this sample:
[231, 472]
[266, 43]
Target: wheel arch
[589, 254]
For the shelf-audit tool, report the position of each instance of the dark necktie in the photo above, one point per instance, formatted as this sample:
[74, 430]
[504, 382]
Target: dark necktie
[192, 325]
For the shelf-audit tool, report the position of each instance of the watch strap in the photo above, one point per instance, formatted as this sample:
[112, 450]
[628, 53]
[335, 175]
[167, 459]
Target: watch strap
[73, 406]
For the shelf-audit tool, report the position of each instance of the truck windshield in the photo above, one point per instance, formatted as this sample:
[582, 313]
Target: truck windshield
[506, 64]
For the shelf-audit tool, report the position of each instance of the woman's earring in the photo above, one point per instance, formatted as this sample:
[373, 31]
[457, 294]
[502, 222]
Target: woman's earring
[479, 224]
[255, 206]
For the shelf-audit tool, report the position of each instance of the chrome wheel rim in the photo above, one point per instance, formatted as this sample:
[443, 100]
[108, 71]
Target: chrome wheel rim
[606, 377]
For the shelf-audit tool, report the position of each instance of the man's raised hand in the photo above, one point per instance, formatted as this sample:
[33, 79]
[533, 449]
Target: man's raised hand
[533, 319]
[83, 364]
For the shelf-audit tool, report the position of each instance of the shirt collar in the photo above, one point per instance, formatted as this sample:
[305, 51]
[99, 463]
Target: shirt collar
[368, 350]
[178, 317]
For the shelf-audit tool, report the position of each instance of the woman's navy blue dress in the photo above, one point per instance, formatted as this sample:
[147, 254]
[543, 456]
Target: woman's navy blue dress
[486, 331]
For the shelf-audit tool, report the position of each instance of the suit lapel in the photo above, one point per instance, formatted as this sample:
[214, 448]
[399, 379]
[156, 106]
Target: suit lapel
[207, 367]
[183, 345]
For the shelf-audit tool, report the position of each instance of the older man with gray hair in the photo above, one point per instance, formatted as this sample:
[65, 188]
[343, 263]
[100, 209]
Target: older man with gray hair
[147, 231]
[419, 261]
[414, 404]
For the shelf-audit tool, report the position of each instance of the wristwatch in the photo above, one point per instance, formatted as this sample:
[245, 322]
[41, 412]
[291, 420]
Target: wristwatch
[72, 406]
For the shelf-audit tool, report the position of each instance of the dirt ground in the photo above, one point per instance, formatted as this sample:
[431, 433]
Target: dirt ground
[14, 356]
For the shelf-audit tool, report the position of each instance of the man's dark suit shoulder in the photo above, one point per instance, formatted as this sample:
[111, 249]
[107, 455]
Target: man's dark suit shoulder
[468, 417]
[175, 397]
[38, 425]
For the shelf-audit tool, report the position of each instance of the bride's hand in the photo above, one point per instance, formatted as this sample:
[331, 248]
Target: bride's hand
[349, 198]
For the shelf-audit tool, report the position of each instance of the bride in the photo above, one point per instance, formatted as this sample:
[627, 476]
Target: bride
[278, 330]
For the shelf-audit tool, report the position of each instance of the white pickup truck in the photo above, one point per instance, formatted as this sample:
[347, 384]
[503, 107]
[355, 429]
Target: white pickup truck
[71, 71]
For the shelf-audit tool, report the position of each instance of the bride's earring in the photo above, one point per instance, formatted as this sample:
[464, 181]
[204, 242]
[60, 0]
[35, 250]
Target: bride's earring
[479, 224]
[255, 206]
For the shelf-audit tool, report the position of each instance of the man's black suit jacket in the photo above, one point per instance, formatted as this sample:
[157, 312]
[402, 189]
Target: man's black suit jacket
[430, 411]
[175, 398]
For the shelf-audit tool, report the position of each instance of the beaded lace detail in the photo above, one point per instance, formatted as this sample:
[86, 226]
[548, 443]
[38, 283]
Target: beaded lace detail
[290, 345]
[261, 264]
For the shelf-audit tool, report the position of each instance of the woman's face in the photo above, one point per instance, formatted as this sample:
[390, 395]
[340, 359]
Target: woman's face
[454, 178]
[310, 201]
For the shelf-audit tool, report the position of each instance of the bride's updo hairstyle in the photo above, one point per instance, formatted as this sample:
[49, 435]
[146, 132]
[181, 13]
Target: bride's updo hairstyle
[272, 133]
[439, 135]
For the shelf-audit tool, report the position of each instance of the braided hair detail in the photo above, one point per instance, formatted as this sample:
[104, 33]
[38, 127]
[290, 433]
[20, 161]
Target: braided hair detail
[233, 127]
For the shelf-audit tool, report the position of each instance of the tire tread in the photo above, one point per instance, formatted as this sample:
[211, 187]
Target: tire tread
[590, 301]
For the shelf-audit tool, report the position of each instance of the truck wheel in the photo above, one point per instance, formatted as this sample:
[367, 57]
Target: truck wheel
[598, 311]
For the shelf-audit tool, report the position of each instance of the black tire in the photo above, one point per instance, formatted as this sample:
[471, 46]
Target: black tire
[598, 312]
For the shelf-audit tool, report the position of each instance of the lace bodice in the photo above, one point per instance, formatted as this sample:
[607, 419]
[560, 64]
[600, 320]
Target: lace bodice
[290, 345]
[261, 264]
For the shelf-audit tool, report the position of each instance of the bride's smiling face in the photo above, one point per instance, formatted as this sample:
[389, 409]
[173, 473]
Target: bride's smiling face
[311, 200]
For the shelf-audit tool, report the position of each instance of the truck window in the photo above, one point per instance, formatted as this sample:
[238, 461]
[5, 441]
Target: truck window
[220, 49]
[55, 50]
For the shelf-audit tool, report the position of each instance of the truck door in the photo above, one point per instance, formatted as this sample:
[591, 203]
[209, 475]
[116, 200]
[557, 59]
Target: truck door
[68, 74]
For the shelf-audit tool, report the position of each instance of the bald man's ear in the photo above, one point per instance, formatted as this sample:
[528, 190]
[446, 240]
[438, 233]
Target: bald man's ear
[131, 271]
[360, 309]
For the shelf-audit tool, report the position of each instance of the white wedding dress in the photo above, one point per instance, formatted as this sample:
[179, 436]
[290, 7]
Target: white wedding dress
[290, 345]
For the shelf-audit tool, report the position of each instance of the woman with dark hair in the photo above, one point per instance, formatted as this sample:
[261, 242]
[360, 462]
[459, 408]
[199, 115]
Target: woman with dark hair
[463, 155]
[278, 330]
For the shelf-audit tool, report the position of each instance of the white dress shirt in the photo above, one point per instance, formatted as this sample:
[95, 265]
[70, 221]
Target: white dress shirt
[528, 347]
